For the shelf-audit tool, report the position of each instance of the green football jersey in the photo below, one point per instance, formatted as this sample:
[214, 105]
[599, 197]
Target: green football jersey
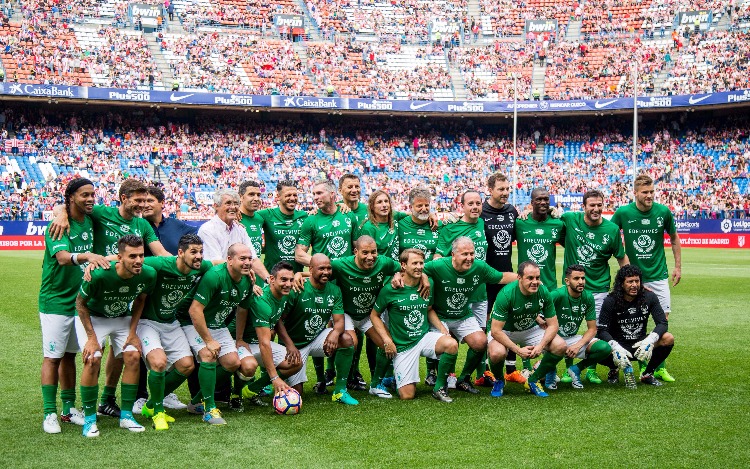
[109, 227]
[536, 242]
[220, 295]
[452, 289]
[571, 312]
[254, 227]
[475, 232]
[329, 234]
[360, 288]
[308, 312]
[407, 314]
[172, 286]
[519, 311]
[266, 312]
[60, 284]
[110, 295]
[591, 247]
[644, 238]
[412, 235]
[360, 213]
[281, 233]
[386, 238]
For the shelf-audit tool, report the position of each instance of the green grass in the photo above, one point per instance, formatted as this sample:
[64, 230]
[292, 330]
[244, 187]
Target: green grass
[702, 419]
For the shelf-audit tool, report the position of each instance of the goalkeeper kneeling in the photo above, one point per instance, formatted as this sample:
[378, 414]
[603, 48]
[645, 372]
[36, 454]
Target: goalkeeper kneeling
[623, 323]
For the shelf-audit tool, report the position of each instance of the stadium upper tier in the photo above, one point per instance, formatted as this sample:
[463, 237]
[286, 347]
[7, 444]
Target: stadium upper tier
[700, 165]
[414, 49]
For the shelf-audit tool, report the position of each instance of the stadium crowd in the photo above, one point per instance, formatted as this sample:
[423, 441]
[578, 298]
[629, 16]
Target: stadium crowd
[202, 155]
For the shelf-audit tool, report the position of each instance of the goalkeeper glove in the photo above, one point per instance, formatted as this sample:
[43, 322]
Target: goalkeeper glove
[619, 355]
[645, 348]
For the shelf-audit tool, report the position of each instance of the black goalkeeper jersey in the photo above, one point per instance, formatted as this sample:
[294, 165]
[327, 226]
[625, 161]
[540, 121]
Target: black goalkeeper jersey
[629, 324]
[500, 233]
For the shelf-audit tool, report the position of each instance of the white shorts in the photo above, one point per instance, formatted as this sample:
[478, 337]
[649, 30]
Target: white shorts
[598, 300]
[461, 328]
[117, 329]
[661, 289]
[278, 351]
[523, 338]
[222, 336]
[480, 312]
[406, 363]
[572, 340]
[168, 337]
[313, 349]
[352, 324]
[58, 335]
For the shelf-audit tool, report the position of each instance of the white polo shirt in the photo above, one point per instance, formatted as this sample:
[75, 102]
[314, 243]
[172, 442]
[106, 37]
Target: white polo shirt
[217, 236]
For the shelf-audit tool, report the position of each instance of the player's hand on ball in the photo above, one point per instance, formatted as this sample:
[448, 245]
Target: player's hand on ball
[645, 348]
[279, 386]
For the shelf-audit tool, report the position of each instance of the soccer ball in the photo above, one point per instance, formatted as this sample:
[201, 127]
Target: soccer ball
[288, 402]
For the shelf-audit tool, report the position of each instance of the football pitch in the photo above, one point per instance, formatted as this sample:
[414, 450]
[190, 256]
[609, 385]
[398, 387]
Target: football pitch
[700, 420]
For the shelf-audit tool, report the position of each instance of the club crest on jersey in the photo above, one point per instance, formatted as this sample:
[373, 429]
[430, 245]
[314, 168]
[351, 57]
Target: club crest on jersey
[414, 320]
[84, 236]
[554, 232]
[366, 280]
[605, 239]
[337, 246]
[330, 299]
[116, 308]
[475, 279]
[585, 254]
[478, 234]
[590, 235]
[314, 324]
[631, 330]
[364, 300]
[457, 301]
[537, 253]
[140, 288]
[644, 244]
[525, 323]
[287, 244]
[348, 222]
[480, 252]
[233, 292]
[660, 221]
[569, 328]
[171, 300]
[124, 289]
[379, 277]
[501, 240]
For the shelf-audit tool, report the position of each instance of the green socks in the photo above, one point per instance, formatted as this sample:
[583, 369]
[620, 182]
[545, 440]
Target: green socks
[68, 397]
[381, 364]
[482, 367]
[128, 394]
[446, 366]
[320, 371]
[156, 391]
[546, 364]
[598, 352]
[172, 381]
[497, 370]
[343, 362]
[88, 399]
[49, 398]
[109, 392]
[472, 361]
[263, 380]
[207, 380]
[432, 364]
[526, 364]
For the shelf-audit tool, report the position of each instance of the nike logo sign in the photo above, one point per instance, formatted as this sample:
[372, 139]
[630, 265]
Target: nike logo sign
[174, 98]
[73, 237]
[446, 281]
[414, 107]
[108, 292]
[526, 232]
[696, 101]
[599, 105]
[305, 299]
[224, 292]
[632, 221]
